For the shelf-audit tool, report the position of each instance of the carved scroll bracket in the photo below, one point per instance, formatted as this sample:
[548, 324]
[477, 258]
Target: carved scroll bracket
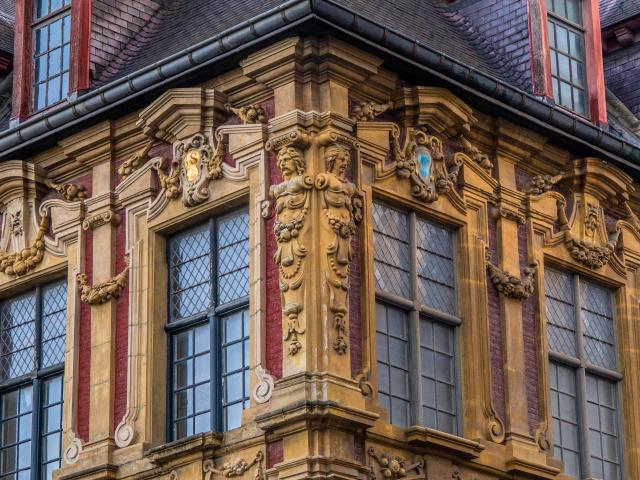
[102, 218]
[73, 451]
[263, 390]
[394, 467]
[234, 469]
[104, 291]
[511, 286]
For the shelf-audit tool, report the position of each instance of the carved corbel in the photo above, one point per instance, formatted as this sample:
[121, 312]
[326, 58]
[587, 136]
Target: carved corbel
[71, 192]
[102, 218]
[292, 200]
[511, 286]
[503, 212]
[73, 451]
[590, 255]
[236, 468]
[136, 160]
[263, 390]
[248, 114]
[368, 111]
[19, 263]
[394, 467]
[342, 205]
[364, 384]
[104, 291]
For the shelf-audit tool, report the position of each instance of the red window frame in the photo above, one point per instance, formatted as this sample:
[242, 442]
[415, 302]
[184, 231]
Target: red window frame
[23, 76]
[541, 57]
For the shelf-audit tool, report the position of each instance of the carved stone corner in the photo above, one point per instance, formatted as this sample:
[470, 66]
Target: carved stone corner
[104, 291]
[234, 469]
[263, 390]
[71, 192]
[511, 286]
[368, 111]
[96, 220]
[248, 114]
[386, 466]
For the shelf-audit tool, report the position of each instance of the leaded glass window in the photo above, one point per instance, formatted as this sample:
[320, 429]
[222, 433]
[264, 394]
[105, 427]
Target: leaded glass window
[566, 42]
[583, 376]
[416, 318]
[51, 51]
[32, 342]
[209, 325]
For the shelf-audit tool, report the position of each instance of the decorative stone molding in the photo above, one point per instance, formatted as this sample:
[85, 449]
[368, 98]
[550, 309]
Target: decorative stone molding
[135, 161]
[73, 451]
[19, 263]
[236, 468]
[71, 192]
[342, 205]
[542, 183]
[390, 467]
[368, 111]
[249, 113]
[590, 255]
[509, 285]
[104, 291]
[263, 390]
[292, 199]
[195, 163]
[509, 214]
[102, 218]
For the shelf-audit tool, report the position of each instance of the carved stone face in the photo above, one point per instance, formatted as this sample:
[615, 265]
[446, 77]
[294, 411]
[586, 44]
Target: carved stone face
[290, 162]
[340, 165]
[337, 160]
[191, 160]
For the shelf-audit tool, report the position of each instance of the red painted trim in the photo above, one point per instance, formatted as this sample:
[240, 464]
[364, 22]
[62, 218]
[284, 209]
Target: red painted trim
[595, 66]
[539, 48]
[79, 70]
[22, 67]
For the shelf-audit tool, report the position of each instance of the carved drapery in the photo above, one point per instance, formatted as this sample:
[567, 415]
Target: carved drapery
[237, 468]
[394, 467]
[19, 263]
[291, 198]
[342, 205]
[104, 291]
[71, 192]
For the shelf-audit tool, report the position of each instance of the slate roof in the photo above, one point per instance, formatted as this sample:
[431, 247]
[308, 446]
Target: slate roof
[616, 11]
[6, 33]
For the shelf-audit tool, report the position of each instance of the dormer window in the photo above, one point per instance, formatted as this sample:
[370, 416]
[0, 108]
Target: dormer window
[51, 51]
[566, 43]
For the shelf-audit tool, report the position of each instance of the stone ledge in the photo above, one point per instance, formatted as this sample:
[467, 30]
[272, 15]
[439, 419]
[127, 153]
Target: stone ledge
[198, 443]
[443, 441]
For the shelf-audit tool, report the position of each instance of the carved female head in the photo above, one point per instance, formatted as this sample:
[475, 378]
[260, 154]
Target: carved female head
[337, 159]
[291, 162]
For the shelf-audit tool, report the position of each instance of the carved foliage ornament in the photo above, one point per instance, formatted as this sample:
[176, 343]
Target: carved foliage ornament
[421, 160]
[342, 205]
[194, 165]
[19, 263]
[391, 467]
[291, 198]
[509, 285]
[135, 161]
[248, 114]
[104, 291]
[475, 154]
[542, 183]
[70, 191]
[234, 469]
[368, 111]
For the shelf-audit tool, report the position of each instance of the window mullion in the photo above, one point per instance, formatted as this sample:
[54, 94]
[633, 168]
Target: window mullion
[36, 428]
[215, 328]
[415, 369]
[38, 330]
[581, 382]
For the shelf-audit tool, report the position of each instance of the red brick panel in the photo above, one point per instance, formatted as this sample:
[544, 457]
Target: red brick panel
[84, 345]
[122, 330]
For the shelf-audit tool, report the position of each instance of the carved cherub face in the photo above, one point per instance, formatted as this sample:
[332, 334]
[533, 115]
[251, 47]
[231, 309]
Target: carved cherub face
[290, 162]
[337, 160]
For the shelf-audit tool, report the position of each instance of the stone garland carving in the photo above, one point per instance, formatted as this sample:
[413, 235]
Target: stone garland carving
[71, 192]
[342, 205]
[593, 256]
[248, 114]
[292, 205]
[475, 154]
[135, 161]
[542, 183]
[19, 263]
[394, 467]
[368, 111]
[194, 165]
[103, 218]
[441, 175]
[263, 390]
[509, 285]
[104, 291]
[235, 469]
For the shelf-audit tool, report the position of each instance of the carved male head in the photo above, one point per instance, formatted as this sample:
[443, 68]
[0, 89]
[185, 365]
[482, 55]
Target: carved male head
[291, 162]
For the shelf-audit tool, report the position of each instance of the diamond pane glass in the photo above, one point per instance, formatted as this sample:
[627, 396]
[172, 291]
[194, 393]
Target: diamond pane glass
[436, 277]
[54, 315]
[235, 367]
[597, 319]
[233, 257]
[602, 417]
[390, 237]
[392, 344]
[564, 411]
[17, 335]
[561, 320]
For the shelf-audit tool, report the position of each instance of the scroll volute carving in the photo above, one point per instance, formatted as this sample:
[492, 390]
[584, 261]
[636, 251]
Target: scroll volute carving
[342, 206]
[291, 198]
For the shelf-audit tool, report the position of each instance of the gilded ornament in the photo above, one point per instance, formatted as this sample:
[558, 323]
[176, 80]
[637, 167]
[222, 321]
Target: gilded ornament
[368, 111]
[248, 114]
[236, 468]
[292, 205]
[71, 192]
[342, 205]
[392, 467]
[135, 161]
[104, 291]
[27, 259]
[509, 285]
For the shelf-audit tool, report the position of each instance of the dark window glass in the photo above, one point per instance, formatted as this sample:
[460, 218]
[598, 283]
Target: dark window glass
[428, 330]
[209, 325]
[33, 335]
[583, 377]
